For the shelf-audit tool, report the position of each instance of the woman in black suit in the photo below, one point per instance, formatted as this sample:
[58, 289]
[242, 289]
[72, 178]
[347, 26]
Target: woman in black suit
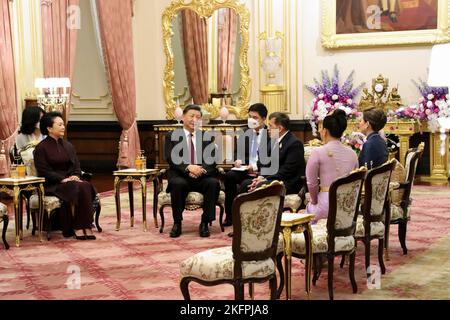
[374, 152]
[56, 160]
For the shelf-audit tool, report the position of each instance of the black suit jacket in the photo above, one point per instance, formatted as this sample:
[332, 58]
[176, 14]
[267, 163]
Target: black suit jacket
[179, 169]
[247, 140]
[291, 163]
[374, 152]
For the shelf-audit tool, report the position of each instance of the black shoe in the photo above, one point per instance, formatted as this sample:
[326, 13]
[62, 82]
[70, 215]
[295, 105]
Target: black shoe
[203, 230]
[176, 230]
[227, 223]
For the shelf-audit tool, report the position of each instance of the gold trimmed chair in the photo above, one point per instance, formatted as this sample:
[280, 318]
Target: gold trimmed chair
[4, 218]
[335, 235]
[370, 224]
[194, 201]
[400, 212]
[252, 256]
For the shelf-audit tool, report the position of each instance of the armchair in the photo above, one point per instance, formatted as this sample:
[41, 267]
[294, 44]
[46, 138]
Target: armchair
[194, 200]
[371, 224]
[400, 213]
[334, 236]
[251, 258]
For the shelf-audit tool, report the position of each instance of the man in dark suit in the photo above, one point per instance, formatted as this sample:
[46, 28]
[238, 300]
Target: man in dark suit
[191, 170]
[289, 152]
[247, 162]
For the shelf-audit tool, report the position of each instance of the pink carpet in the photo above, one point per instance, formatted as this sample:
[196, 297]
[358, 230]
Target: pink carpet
[131, 264]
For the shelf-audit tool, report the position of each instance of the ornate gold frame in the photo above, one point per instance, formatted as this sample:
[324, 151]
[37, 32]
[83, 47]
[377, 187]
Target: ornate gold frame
[205, 8]
[331, 40]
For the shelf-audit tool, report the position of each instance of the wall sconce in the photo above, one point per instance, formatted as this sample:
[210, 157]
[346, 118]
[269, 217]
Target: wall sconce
[271, 57]
[271, 60]
[53, 93]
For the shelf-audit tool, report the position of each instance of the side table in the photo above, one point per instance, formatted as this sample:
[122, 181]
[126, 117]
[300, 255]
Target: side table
[142, 176]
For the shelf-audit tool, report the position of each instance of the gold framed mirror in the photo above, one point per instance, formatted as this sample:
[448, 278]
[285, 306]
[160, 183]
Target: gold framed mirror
[193, 31]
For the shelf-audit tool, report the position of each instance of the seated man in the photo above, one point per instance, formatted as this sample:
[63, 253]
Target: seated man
[190, 171]
[248, 159]
[286, 157]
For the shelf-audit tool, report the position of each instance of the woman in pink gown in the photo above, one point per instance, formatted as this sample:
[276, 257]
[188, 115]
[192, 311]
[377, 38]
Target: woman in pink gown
[327, 163]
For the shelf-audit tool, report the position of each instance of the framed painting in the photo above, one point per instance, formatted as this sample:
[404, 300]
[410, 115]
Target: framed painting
[366, 23]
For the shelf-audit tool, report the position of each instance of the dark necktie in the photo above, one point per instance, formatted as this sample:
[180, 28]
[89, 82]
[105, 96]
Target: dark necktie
[192, 149]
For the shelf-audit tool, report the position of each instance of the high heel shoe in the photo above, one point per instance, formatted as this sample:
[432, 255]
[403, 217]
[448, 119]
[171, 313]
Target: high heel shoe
[83, 237]
[89, 236]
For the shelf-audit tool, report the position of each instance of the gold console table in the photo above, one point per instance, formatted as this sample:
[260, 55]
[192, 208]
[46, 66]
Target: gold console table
[404, 129]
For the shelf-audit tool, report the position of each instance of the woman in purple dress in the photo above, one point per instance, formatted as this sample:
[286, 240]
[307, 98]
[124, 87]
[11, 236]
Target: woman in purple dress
[327, 163]
[56, 160]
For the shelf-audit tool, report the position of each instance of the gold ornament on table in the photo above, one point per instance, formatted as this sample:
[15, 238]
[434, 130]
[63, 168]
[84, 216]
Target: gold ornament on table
[379, 97]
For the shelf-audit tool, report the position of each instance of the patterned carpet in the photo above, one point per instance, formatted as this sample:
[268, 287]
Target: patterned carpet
[131, 264]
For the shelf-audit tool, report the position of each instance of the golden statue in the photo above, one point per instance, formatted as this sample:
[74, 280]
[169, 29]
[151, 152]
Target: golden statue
[379, 96]
[367, 100]
[394, 100]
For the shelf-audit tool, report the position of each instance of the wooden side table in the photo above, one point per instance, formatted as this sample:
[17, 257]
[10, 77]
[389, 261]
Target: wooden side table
[142, 176]
[297, 222]
[17, 186]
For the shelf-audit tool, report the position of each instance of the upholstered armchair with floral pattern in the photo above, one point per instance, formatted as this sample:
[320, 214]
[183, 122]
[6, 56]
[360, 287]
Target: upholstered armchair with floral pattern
[335, 235]
[400, 212]
[251, 258]
[51, 204]
[194, 200]
[370, 224]
[5, 220]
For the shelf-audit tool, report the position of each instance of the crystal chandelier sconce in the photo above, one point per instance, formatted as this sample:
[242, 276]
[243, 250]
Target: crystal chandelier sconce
[271, 57]
[53, 93]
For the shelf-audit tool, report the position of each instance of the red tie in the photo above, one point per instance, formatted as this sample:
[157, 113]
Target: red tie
[191, 146]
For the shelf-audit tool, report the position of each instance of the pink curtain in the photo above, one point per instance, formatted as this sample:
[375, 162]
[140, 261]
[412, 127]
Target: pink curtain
[8, 100]
[226, 49]
[195, 40]
[115, 18]
[59, 33]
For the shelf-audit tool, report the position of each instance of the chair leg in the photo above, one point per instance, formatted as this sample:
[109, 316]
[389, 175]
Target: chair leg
[33, 219]
[402, 235]
[330, 275]
[367, 255]
[184, 287]
[317, 265]
[222, 228]
[238, 290]
[5, 228]
[342, 261]
[251, 291]
[380, 256]
[49, 225]
[273, 287]
[161, 214]
[351, 272]
[27, 204]
[97, 216]
[281, 272]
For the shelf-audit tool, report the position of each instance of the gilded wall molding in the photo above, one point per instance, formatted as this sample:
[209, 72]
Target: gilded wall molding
[205, 8]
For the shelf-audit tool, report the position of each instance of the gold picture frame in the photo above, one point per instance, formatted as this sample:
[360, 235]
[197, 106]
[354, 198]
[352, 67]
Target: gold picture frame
[333, 40]
[206, 9]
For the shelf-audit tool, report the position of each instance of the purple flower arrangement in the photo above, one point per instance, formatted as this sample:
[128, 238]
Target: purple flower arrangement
[433, 104]
[329, 96]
